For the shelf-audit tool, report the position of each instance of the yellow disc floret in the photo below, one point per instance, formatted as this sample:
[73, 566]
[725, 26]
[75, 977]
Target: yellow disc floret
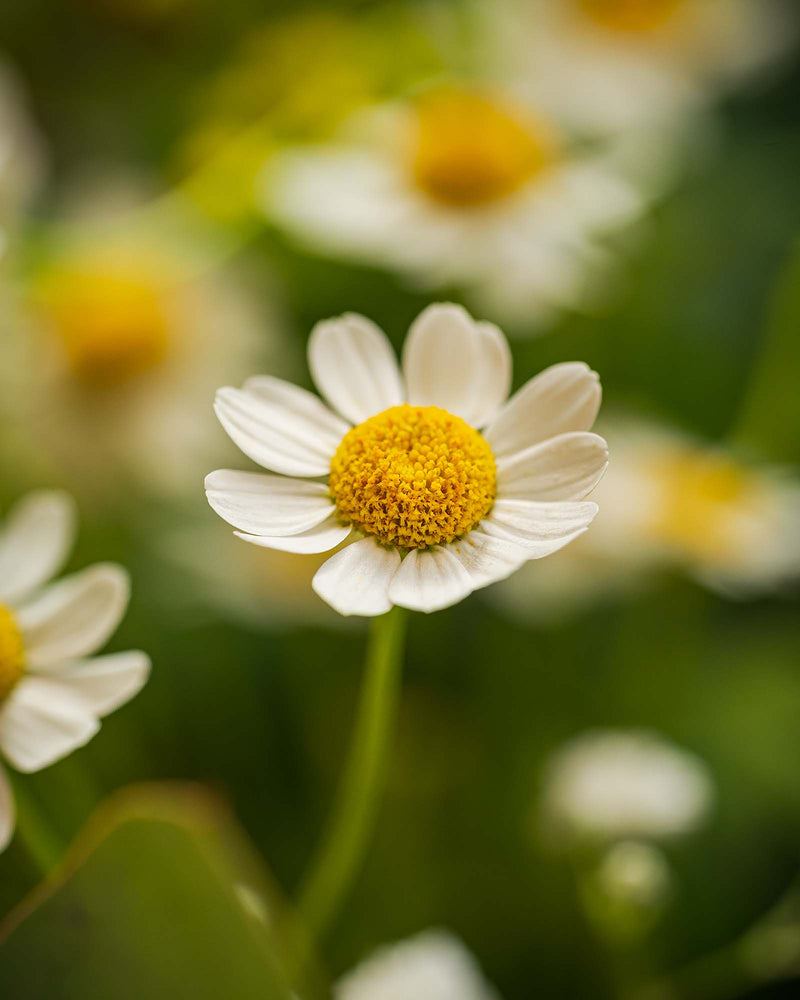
[12, 653]
[700, 493]
[472, 149]
[413, 476]
[634, 16]
[111, 319]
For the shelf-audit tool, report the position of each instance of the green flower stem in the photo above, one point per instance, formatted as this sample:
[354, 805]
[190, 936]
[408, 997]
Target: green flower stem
[33, 829]
[332, 872]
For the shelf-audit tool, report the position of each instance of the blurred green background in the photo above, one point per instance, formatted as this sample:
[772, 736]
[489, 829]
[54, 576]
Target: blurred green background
[704, 336]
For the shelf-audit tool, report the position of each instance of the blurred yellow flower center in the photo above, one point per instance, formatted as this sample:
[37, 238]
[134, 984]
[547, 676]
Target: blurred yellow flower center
[12, 653]
[413, 476]
[631, 15]
[698, 490]
[472, 150]
[112, 322]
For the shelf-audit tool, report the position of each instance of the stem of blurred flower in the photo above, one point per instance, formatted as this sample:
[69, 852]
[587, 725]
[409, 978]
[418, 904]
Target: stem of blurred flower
[342, 849]
[32, 828]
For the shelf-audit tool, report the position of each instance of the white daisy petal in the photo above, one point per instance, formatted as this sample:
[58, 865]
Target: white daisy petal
[104, 682]
[320, 538]
[430, 580]
[453, 362]
[35, 542]
[74, 617]
[281, 426]
[356, 580]
[354, 367]
[487, 558]
[41, 721]
[8, 813]
[560, 399]
[541, 528]
[566, 467]
[268, 505]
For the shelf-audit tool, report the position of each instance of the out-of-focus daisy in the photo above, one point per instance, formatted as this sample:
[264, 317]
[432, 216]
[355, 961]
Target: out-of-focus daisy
[294, 80]
[53, 691]
[670, 501]
[21, 154]
[610, 65]
[121, 330]
[466, 186]
[621, 784]
[439, 509]
[432, 966]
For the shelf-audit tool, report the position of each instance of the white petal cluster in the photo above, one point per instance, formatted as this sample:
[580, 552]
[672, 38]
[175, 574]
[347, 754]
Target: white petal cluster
[604, 80]
[621, 784]
[64, 691]
[546, 458]
[524, 257]
[433, 965]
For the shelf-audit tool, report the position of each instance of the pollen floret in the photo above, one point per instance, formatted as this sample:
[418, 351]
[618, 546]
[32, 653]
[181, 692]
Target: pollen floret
[413, 476]
[12, 654]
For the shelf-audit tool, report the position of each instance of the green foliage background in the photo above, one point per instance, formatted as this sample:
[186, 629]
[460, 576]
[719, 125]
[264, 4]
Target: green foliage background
[706, 336]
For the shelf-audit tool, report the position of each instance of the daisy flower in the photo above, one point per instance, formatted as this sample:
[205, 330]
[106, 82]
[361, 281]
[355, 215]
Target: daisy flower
[613, 65]
[670, 501]
[433, 965]
[466, 186]
[53, 691]
[612, 784]
[398, 462]
[120, 331]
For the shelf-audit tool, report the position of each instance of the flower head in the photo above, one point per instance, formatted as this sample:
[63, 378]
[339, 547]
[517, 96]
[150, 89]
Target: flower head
[431, 966]
[53, 691]
[620, 784]
[611, 66]
[467, 185]
[115, 338]
[439, 508]
[671, 501]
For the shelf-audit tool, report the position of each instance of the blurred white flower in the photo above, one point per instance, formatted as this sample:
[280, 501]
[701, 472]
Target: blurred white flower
[669, 501]
[53, 691]
[21, 154]
[621, 784]
[440, 509]
[612, 65]
[120, 333]
[466, 186]
[433, 965]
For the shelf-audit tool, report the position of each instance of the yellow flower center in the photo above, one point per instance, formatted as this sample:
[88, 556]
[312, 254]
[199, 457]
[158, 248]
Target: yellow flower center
[111, 321]
[698, 493]
[634, 16]
[12, 653]
[413, 476]
[471, 150]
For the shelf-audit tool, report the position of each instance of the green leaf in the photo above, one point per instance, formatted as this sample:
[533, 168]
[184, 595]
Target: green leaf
[161, 896]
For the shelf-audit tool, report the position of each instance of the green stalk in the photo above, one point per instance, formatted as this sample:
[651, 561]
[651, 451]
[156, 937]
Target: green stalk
[341, 852]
